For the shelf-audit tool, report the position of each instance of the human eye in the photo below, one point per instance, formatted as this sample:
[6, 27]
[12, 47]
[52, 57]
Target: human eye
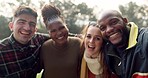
[53, 30]
[98, 38]
[21, 22]
[61, 28]
[88, 36]
[102, 27]
[114, 22]
[32, 24]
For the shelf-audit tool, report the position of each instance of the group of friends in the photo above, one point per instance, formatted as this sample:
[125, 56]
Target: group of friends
[111, 47]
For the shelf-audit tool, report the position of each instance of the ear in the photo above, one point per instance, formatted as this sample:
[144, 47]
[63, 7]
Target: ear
[66, 26]
[11, 26]
[36, 29]
[125, 20]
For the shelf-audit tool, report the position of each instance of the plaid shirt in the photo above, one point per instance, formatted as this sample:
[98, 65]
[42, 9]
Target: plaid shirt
[20, 61]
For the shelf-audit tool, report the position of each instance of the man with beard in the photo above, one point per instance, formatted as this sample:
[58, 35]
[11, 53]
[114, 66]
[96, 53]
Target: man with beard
[127, 45]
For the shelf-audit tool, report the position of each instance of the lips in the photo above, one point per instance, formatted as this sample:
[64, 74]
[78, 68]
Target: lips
[115, 38]
[91, 47]
[61, 37]
[114, 35]
[25, 33]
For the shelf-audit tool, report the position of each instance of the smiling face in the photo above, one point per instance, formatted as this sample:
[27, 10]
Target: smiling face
[58, 32]
[93, 41]
[113, 28]
[23, 27]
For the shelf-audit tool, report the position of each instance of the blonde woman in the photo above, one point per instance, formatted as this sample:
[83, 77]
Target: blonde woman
[93, 63]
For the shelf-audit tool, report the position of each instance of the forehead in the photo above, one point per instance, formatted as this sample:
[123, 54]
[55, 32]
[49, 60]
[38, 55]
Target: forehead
[56, 25]
[108, 15]
[26, 17]
[94, 30]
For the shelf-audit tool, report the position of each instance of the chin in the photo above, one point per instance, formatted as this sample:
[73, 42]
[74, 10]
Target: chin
[117, 41]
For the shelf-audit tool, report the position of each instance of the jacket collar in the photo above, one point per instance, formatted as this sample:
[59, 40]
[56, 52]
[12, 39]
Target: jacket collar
[133, 35]
[15, 43]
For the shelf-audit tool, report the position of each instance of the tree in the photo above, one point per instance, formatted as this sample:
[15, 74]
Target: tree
[74, 14]
[135, 13]
[4, 30]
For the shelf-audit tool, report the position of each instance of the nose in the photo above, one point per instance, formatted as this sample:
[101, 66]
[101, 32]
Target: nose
[59, 32]
[27, 27]
[91, 40]
[109, 29]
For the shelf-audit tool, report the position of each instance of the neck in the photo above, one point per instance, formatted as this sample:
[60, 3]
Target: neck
[122, 47]
[60, 46]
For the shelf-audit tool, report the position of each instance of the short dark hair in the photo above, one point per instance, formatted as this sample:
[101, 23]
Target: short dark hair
[25, 10]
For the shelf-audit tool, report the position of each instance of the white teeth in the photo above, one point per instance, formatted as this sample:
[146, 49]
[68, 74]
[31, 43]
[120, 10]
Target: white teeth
[25, 33]
[113, 35]
[60, 37]
[91, 47]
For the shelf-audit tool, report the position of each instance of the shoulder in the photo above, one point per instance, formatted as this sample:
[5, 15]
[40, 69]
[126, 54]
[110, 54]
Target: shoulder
[75, 39]
[143, 33]
[47, 43]
[4, 43]
[143, 40]
[143, 29]
[40, 38]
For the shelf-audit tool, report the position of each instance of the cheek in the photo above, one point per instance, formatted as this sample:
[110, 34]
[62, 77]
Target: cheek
[65, 31]
[99, 44]
[33, 31]
[16, 29]
[103, 34]
[52, 35]
[121, 26]
[86, 42]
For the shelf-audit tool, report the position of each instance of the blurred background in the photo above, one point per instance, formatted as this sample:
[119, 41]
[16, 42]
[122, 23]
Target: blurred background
[77, 13]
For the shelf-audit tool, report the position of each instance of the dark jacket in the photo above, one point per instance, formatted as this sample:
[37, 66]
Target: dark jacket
[134, 60]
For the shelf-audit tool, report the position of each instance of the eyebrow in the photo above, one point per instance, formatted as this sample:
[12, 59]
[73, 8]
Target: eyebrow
[26, 21]
[21, 20]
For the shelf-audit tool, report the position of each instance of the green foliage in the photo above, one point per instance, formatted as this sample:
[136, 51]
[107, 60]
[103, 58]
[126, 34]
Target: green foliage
[4, 29]
[74, 14]
[135, 13]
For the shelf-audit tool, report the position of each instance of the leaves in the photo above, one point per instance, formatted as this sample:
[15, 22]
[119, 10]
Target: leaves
[75, 15]
[135, 13]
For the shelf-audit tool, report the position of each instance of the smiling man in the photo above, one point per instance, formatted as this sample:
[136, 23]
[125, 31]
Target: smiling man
[19, 53]
[127, 47]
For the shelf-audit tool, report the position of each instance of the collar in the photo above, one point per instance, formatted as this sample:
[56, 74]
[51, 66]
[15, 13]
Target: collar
[93, 65]
[133, 35]
[18, 45]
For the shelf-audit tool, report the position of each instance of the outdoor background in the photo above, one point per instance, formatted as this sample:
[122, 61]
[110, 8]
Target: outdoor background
[77, 13]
